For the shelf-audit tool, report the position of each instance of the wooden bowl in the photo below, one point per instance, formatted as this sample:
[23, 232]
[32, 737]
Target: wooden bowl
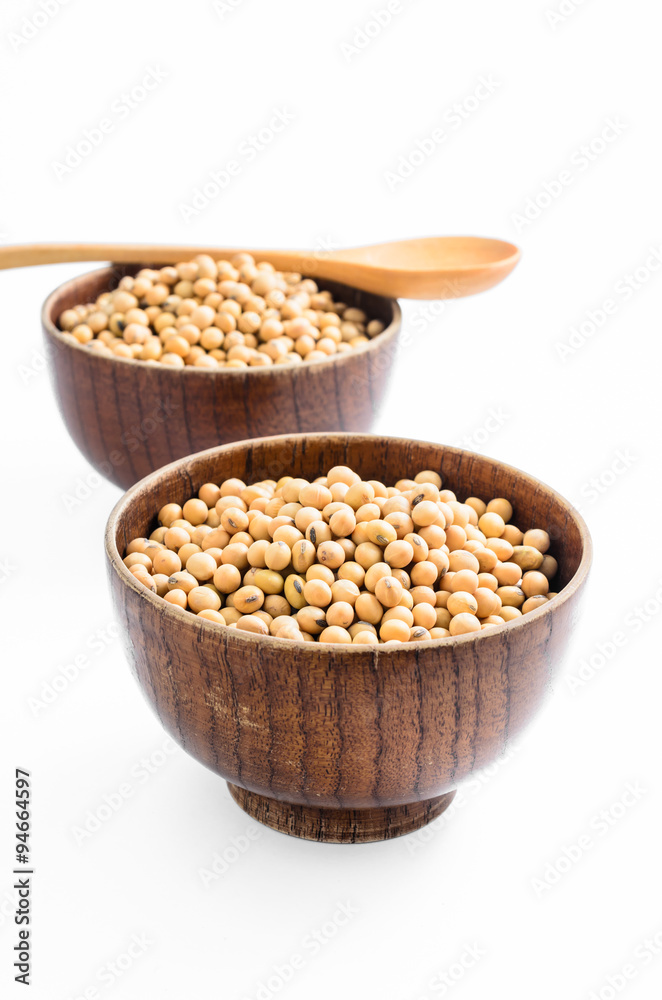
[334, 742]
[129, 418]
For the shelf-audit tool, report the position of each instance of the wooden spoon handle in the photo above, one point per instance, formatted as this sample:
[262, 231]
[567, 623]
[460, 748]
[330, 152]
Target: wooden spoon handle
[29, 255]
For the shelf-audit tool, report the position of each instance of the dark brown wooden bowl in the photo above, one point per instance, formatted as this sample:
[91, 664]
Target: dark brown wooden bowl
[331, 742]
[129, 418]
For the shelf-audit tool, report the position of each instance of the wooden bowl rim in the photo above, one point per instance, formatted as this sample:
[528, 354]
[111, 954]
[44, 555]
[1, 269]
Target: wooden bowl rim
[164, 607]
[388, 334]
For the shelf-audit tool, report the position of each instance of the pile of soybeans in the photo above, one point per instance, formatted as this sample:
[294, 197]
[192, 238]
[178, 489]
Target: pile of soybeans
[218, 314]
[344, 560]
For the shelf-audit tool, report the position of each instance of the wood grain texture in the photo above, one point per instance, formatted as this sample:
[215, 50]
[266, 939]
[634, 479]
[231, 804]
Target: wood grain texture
[129, 418]
[327, 726]
[340, 826]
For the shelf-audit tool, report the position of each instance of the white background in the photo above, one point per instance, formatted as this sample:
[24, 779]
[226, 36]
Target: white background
[470, 882]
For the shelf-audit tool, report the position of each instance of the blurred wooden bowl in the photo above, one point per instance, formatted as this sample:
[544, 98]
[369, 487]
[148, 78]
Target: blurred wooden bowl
[129, 418]
[333, 742]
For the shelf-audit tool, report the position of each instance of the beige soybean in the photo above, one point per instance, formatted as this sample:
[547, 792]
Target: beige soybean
[251, 623]
[462, 602]
[201, 565]
[203, 599]
[340, 613]
[464, 623]
[365, 638]
[537, 538]
[534, 583]
[388, 591]
[527, 557]
[248, 599]
[334, 633]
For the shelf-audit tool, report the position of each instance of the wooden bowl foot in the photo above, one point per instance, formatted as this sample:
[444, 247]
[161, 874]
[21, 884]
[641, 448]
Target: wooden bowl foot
[340, 826]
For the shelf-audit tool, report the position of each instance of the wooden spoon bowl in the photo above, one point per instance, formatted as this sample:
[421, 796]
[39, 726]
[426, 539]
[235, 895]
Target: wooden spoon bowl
[129, 418]
[330, 742]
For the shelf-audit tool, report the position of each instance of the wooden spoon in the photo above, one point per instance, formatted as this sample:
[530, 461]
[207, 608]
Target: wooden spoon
[433, 267]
